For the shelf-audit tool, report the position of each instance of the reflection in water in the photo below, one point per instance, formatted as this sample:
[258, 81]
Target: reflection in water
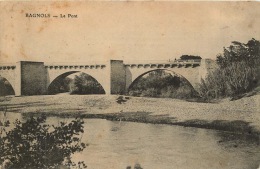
[119, 145]
[163, 146]
[230, 140]
[249, 144]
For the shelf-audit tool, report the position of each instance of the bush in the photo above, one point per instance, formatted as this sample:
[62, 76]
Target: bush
[5, 87]
[60, 85]
[86, 84]
[34, 144]
[240, 78]
[190, 57]
[214, 86]
[237, 72]
[150, 92]
[162, 84]
[184, 92]
[81, 84]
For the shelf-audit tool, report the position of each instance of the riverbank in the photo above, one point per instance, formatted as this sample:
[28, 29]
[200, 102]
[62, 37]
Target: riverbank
[239, 116]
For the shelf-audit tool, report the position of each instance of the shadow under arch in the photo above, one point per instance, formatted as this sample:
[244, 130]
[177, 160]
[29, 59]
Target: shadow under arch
[66, 74]
[6, 87]
[170, 71]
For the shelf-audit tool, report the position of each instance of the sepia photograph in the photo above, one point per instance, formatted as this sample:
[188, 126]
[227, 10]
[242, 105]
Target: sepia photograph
[129, 84]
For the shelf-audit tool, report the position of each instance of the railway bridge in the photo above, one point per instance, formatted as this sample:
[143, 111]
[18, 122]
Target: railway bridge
[115, 76]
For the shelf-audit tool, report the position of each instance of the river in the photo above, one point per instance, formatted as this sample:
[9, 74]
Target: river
[116, 145]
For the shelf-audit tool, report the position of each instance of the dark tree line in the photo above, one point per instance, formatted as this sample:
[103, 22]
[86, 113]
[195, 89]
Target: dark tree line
[159, 83]
[81, 84]
[85, 84]
[189, 57]
[238, 71]
[60, 85]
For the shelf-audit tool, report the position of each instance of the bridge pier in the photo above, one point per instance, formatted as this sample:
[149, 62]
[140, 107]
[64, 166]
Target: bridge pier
[117, 77]
[30, 78]
[17, 86]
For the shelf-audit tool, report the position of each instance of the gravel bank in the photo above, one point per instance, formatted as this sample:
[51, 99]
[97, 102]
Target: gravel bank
[241, 116]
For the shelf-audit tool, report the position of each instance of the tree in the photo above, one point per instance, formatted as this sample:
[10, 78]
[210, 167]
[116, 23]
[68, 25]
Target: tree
[34, 144]
[5, 87]
[249, 53]
[161, 84]
[237, 73]
[60, 85]
[189, 57]
[86, 84]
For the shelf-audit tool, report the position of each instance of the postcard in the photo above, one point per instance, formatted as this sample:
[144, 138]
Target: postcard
[129, 84]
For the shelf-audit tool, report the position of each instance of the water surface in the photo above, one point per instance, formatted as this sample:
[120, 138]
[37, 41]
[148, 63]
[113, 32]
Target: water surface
[116, 145]
[120, 144]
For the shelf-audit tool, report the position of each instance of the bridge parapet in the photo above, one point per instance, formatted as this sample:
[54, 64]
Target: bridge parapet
[67, 65]
[75, 66]
[74, 63]
[178, 64]
[7, 66]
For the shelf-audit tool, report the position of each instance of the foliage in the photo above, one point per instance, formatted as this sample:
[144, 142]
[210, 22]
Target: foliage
[248, 53]
[81, 84]
[85, 84]
[5, 87]
[34, 144]
[4, 122]
[237, 72]
[60, 85]
[189, 57]
[161, 84]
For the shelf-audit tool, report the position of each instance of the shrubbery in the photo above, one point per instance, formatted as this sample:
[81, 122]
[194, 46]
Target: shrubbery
[85, 84]
[5, 87]
[81, 84]
[237, 72]
[60, 85]
[190, 57]
[34, 144]
[162, 84]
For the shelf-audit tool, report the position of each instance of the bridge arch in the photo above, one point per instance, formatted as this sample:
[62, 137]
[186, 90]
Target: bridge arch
[172, 72]
[68, 73]
[6, 86]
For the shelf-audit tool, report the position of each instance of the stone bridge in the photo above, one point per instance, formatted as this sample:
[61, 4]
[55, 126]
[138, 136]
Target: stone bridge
[115, 76]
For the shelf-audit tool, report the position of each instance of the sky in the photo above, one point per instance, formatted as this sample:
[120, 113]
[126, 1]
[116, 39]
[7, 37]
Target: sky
[123, 30]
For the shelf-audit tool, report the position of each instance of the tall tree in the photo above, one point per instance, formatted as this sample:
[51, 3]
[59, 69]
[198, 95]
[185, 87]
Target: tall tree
[238, 71]
[240, 52]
